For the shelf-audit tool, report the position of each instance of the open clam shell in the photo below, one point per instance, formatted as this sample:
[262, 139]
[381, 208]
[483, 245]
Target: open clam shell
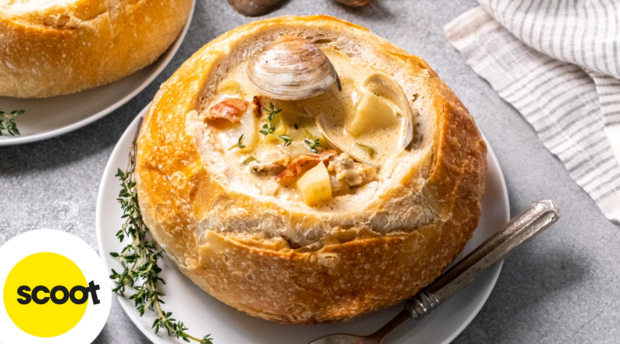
[291, 68]
[380, 83]
[381, 86]
[341, 147]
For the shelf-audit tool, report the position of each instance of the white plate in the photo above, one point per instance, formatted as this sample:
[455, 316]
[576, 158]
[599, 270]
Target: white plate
[204, 314]
[50, 117]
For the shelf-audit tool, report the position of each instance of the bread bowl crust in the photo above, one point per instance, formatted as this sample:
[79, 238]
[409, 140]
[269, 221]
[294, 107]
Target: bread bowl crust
[66, 48]
[359, 272]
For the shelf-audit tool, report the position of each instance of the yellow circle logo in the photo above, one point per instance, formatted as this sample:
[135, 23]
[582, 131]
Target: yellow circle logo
[46, 294]
[54, 288]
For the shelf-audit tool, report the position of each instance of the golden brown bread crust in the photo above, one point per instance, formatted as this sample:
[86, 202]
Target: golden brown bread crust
[66, 48]
[350, 274]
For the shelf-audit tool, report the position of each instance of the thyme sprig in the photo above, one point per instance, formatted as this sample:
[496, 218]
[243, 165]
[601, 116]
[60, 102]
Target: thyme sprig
[7, 122]
[287, 140]
[272, 111]
[313, 145]
[140, 258]
[269, 128]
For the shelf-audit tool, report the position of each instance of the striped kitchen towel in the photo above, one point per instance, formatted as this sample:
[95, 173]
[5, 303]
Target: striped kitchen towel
[558, 63]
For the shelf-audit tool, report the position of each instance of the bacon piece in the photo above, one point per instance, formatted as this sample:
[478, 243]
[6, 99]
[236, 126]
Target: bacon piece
[230, 109]
[302, 164]
[256, 107]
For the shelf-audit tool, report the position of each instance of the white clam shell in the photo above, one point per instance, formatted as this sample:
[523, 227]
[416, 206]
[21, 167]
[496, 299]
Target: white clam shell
[382, 84]
[340, 147]
[378, 83]
[291, 68]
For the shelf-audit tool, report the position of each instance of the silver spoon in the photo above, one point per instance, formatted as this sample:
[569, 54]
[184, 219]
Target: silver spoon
[531, 222]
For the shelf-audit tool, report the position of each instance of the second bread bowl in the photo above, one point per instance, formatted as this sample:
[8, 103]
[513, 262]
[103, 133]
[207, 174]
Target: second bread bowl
[55, 47]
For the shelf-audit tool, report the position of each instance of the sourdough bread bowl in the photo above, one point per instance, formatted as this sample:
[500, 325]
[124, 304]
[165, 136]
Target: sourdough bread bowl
[283, 249]
[55, 47]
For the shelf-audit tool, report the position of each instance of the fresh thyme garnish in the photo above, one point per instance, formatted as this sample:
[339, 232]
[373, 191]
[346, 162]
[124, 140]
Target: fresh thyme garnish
[269, 128]
[287, 140]
[272, 112]
[140, 257]
[7, 122]
[240, 142]
[248, 160]
[371, 151]
[313, 145]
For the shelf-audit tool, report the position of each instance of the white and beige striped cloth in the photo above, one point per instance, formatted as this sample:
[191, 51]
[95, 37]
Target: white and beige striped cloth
[558, 63]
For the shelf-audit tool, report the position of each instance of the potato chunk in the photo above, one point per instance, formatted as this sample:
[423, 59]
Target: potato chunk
[301, 164]
[230, 87]
[314, 186]
[373, 112]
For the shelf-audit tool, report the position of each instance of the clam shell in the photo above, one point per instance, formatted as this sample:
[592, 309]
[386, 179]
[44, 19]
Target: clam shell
[338, 146]
[291, 68]
[253, 8]
[378, 83]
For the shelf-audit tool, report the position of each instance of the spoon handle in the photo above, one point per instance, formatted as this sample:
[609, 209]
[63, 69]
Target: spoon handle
[529, 223]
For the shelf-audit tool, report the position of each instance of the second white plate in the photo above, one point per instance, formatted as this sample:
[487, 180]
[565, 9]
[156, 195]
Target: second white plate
[203, 314]
[50, 117]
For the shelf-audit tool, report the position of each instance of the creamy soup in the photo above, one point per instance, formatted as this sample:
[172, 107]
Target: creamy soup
[337, 109]
[364, 124]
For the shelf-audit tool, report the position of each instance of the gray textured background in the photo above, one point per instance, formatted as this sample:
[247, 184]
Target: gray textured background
[564, 287]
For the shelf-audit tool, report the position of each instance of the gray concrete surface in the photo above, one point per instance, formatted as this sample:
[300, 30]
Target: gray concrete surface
[564, 287]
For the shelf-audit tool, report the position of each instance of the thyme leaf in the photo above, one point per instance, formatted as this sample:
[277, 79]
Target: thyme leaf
[269, 128]
[287, 140]
[7, 122]
[313, 145]
[248, 160]
[240, 142]
[369, 150]
[272, 111]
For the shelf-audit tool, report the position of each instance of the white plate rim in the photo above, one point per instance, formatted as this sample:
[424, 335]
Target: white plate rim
[493, 271]
[166, 58]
